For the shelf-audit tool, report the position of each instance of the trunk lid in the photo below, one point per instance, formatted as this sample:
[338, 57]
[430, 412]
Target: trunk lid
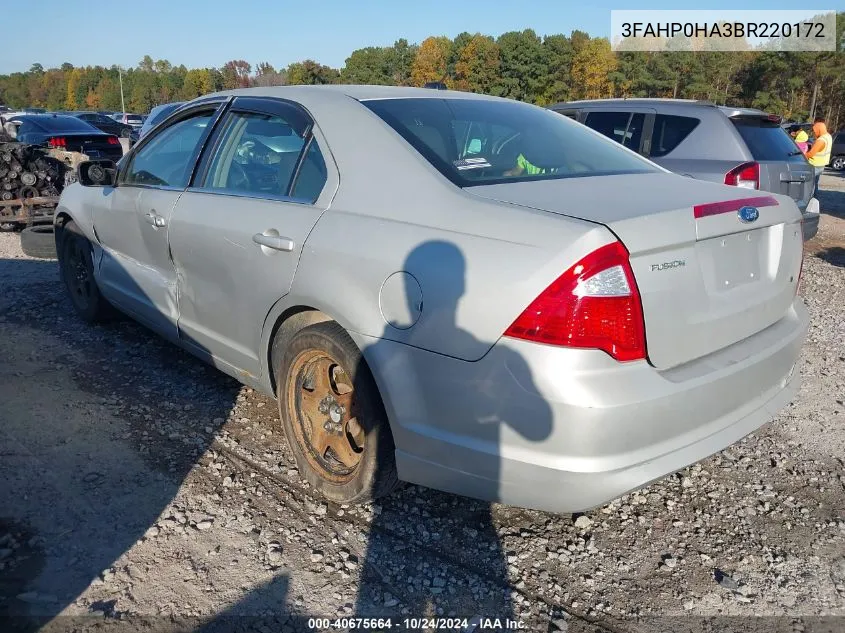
[94, 145]
[707, 279]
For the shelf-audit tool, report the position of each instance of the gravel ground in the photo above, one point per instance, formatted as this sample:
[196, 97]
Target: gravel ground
[143, 490]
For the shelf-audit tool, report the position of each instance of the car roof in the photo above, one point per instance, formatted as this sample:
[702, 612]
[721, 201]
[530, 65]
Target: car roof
[359, 92]
[729, 111]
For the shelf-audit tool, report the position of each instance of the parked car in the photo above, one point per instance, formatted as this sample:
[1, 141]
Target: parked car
[127, 118]
[461, 291]
[106, 124]
[66, 132]
[837, 156]
[736, 146]
[156, 115]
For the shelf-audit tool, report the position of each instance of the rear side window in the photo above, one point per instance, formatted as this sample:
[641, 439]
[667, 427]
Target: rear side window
[480, 141]
[766, 140]
[669, 132]
[626, 128]
[840, 138]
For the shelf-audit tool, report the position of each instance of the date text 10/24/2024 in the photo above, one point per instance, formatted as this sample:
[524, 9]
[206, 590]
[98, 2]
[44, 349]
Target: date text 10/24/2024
[416, 624]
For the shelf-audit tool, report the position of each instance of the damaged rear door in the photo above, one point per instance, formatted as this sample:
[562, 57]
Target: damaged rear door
[238, 232]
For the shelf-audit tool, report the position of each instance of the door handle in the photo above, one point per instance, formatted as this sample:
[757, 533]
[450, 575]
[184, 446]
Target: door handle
[276, 242]
[156, 220]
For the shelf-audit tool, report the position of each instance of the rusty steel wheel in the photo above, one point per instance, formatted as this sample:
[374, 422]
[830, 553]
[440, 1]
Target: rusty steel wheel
[322, 401]
[333, 415]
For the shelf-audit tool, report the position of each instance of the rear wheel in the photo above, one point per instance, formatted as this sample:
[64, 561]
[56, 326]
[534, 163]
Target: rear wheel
[838, 163]
[76, 268]
[333, 416]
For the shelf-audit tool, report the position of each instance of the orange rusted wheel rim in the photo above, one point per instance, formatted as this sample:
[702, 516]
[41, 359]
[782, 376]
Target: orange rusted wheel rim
[321, 404]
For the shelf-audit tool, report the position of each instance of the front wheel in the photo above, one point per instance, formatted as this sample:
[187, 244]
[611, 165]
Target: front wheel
[838, 163]
[333, 416]
[76, 268]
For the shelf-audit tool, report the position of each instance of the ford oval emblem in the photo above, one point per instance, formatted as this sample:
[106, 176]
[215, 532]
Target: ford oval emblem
[748, 214]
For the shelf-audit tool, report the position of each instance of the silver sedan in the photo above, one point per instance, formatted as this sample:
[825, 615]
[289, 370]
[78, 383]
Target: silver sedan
[460, 291]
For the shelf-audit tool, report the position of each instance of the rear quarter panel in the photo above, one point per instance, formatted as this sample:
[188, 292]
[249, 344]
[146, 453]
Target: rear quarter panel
[478, 264]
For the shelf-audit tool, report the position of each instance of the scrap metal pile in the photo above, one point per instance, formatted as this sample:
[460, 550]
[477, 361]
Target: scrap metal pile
[28, 171]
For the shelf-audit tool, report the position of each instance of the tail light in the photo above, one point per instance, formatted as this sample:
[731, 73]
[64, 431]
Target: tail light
[113, 140]
[746, 175]
[57, 141]
[595, 304]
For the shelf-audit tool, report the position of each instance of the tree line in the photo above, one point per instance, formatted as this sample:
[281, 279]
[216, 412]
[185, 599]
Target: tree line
[519, 65]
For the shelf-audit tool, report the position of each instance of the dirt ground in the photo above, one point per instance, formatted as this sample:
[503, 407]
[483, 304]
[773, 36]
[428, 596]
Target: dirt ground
[143, 490]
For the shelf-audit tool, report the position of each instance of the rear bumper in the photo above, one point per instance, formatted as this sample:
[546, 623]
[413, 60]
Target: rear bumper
[567, 430]
[810, 219]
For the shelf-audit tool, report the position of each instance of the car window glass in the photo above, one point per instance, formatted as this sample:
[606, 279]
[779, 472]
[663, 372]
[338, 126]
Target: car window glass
[312, 175]
[612, 124]
[767, 140]
[479, 141]
[167, 159]
[669, 131]
[62, 123]
[257, 154]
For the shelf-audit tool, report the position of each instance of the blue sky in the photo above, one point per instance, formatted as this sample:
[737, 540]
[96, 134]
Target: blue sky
[209, 33]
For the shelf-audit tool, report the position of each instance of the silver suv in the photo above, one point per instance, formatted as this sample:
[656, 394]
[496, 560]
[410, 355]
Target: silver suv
[736, 146]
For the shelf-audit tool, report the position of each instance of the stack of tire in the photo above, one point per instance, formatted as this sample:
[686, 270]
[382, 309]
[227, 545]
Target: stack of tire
[28, 171]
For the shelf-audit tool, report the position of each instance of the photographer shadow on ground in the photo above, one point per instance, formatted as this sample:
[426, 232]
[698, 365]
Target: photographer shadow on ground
[423, 557]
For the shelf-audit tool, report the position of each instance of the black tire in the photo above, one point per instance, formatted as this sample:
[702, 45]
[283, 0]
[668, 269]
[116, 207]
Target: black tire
[361, 428]
[76, 268]
[39, 241]
[7, 227]
[838, 163]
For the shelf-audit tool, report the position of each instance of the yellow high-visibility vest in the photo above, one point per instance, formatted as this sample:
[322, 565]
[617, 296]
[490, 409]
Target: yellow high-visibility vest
[823, 157]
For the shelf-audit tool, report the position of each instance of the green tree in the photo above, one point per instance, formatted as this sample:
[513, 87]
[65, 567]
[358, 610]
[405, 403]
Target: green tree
[524, 68]
[371, 65]
[592, 66]
[401, 61]
[310, 73]
[555, 85]
[477, 68]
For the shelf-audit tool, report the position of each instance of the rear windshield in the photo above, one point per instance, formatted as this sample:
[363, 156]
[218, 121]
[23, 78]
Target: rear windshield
[767, 140]
[62, 124]
[479, 142]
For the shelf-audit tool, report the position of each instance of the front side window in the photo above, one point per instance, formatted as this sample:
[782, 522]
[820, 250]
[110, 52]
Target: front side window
[479, 141]
[259, 154]
[167, 159]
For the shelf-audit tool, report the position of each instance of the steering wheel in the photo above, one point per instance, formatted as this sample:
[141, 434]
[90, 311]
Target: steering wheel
[237, 178]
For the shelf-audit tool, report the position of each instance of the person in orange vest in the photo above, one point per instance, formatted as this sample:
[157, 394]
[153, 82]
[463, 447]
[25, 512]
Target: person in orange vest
[819, 153]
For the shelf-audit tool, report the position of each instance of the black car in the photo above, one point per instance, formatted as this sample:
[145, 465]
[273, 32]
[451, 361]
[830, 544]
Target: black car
[68, 133]
[837, 155]
[106, 124]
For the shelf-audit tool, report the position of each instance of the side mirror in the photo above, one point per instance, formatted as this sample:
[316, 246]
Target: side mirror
[97, 173]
